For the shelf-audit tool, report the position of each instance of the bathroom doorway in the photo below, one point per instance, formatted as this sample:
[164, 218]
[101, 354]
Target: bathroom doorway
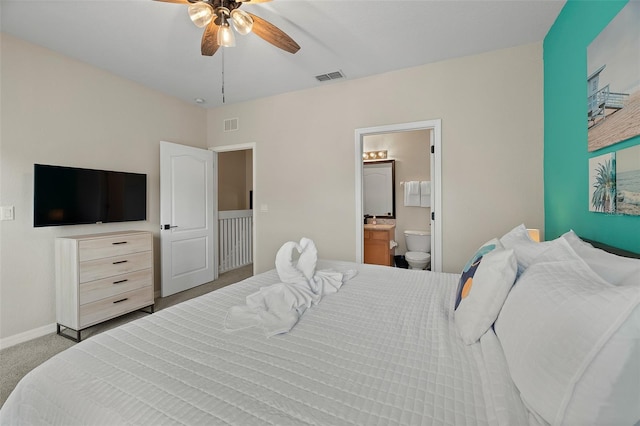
[399, 140]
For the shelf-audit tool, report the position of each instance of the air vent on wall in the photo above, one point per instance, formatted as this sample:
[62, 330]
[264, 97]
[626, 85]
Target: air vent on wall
[230, 124]
[330, 76]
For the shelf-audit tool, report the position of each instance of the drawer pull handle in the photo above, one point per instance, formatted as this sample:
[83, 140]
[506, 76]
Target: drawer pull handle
[119, 242]
[121, 281]
[120, 261]
[121, 300]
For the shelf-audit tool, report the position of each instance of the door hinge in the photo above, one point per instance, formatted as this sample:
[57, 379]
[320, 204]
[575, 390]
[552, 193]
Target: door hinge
[433, 149]
[433, 216]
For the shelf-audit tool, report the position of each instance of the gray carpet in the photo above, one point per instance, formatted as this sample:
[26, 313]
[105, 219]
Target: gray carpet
[18, 360]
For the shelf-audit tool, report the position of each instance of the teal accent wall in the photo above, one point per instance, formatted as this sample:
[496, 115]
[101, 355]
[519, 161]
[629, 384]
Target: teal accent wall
[566, 159]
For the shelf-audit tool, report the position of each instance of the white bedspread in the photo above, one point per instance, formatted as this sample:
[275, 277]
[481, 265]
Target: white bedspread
[384, 350]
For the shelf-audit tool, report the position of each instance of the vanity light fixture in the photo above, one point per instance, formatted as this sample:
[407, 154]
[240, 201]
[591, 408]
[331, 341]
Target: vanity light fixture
[374, 155]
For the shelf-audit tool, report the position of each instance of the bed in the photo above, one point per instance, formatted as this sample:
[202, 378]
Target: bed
[390, 347]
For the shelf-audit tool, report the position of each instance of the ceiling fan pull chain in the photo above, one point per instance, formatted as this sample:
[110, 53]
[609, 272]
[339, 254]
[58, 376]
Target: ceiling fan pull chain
[223, 75]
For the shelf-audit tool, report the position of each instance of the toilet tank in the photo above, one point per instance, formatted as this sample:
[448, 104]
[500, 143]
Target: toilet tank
[418, 241]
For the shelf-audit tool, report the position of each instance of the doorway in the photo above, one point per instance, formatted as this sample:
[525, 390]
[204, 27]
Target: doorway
[235, 185]
[434, 131]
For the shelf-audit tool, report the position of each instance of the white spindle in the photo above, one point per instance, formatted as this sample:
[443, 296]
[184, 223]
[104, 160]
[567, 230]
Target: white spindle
[236, 239]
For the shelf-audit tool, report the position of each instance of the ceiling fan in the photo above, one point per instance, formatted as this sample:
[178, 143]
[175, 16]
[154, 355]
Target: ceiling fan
[215, 15]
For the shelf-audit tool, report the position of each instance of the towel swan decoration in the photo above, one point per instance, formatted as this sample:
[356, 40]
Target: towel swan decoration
[278, 307]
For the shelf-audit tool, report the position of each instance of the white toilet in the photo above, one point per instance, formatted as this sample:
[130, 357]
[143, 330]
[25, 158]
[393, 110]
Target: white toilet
[418, 249]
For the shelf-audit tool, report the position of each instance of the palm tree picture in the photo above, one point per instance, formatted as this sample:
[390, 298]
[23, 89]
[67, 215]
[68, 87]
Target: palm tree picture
[602, 183]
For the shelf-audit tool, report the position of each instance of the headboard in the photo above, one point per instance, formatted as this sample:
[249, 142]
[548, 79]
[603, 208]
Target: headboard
[611, 249]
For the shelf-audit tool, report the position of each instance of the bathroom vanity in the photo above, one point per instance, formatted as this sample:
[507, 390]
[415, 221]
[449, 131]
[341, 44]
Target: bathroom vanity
[378, 248]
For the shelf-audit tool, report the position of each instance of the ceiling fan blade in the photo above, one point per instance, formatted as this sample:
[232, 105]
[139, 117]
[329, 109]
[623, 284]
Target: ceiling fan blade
[273, 35]
[175, 1]
[252, 1]
[210, 39]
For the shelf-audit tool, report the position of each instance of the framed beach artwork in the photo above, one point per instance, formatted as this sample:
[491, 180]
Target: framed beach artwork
[602, 183]
[613, 80]
[628, 181]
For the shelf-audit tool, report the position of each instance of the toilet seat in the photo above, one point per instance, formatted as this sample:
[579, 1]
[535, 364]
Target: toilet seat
[417, 256]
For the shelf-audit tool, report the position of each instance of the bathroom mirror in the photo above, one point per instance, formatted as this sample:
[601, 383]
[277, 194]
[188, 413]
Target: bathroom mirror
[378, 188]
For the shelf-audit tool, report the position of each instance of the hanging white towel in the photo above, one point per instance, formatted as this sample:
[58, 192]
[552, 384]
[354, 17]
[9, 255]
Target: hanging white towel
[425, 193]
[412, 194]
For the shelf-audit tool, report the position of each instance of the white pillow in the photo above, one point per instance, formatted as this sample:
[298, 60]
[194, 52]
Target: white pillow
[632, 279]
[525, 248]
[616, 270]
[482, 289]
[556, 329]
[608, 393]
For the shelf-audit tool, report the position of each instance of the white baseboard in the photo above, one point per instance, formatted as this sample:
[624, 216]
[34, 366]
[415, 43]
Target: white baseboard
[27, 335]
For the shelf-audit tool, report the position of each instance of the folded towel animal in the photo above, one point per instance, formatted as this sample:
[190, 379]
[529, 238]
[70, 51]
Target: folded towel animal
[412, 194]
[278, 307]
[425, 193]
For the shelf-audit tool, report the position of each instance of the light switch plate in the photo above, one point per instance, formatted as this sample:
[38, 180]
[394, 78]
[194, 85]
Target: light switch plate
[7, 213]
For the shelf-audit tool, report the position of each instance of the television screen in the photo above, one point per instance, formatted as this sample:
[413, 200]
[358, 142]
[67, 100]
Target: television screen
[73, 196]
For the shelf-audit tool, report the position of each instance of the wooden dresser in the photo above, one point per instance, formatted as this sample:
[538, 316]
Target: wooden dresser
[102, 276]
[377, 244]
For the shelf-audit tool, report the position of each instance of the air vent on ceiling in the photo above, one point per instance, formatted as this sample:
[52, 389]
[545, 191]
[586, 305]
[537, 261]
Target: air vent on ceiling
[230, 124]
[330, 76]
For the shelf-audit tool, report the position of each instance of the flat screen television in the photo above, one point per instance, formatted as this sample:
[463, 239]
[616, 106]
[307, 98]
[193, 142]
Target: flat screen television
[74, 196]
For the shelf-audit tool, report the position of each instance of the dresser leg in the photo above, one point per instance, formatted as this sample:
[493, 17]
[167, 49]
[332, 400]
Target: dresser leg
[62, 328]
[150, 309]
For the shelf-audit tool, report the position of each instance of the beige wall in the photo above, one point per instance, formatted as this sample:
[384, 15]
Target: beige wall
[492, 139]
[410, 150]
[56, 110]
[234, 179]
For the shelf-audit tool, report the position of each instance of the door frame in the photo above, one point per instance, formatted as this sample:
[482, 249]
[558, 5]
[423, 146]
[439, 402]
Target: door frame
[238, 147]
[435, 127]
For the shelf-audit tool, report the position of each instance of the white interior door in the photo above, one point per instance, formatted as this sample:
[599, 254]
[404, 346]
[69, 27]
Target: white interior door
[187, 217]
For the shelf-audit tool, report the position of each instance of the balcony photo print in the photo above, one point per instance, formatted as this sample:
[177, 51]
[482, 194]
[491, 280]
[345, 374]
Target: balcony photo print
[613, 81]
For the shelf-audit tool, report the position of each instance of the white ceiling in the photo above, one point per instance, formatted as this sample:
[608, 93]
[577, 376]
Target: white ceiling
[155, 43]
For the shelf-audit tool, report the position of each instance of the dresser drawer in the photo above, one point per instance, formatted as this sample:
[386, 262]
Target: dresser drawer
[92, 313]
[117, 265]
[112, 286]
[113, 246]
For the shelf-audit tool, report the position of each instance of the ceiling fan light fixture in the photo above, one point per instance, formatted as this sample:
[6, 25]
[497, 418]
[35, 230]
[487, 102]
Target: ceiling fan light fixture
[225, 35]
[242, 21]
[201, 13]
